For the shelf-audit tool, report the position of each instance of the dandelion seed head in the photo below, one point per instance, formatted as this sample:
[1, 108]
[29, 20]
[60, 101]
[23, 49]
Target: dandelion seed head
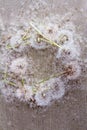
[69, 51]
[19, 66]
[74, 70]
[53, 89]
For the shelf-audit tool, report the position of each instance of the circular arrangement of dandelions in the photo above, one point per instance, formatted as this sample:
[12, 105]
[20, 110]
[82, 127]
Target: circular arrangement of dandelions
[15, 80]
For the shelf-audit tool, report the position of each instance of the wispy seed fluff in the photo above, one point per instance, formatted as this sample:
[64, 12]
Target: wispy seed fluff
[65, 36]
[19, 66]
[74, 70]
[70, 49]
[36, 43]
[25, 93]
[49, 30]
[16, 40]
[49, 91]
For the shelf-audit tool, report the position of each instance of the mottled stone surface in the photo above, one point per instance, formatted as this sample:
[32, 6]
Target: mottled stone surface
[70, 113]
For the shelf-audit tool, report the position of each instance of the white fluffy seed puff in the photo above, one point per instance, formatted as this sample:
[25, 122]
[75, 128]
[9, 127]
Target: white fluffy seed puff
[70, 49]
[52, 89]
[19, 66]
[49, 31]
[16, 40]
[25, 93]
[65, 36]
[73, 70]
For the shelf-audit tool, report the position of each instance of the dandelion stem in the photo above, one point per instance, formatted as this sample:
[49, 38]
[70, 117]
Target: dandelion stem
[10, 83]
[22, 81]
[53, 76]
[47, 39]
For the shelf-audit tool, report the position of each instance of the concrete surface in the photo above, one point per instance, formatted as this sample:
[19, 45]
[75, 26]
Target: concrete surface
[71, 112]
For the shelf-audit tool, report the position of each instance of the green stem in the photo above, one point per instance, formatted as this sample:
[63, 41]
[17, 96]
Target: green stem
[53, 76]
[10, 83]
[47, 39]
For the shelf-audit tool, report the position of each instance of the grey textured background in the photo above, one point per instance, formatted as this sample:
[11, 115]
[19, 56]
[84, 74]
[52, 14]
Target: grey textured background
[69, 114]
